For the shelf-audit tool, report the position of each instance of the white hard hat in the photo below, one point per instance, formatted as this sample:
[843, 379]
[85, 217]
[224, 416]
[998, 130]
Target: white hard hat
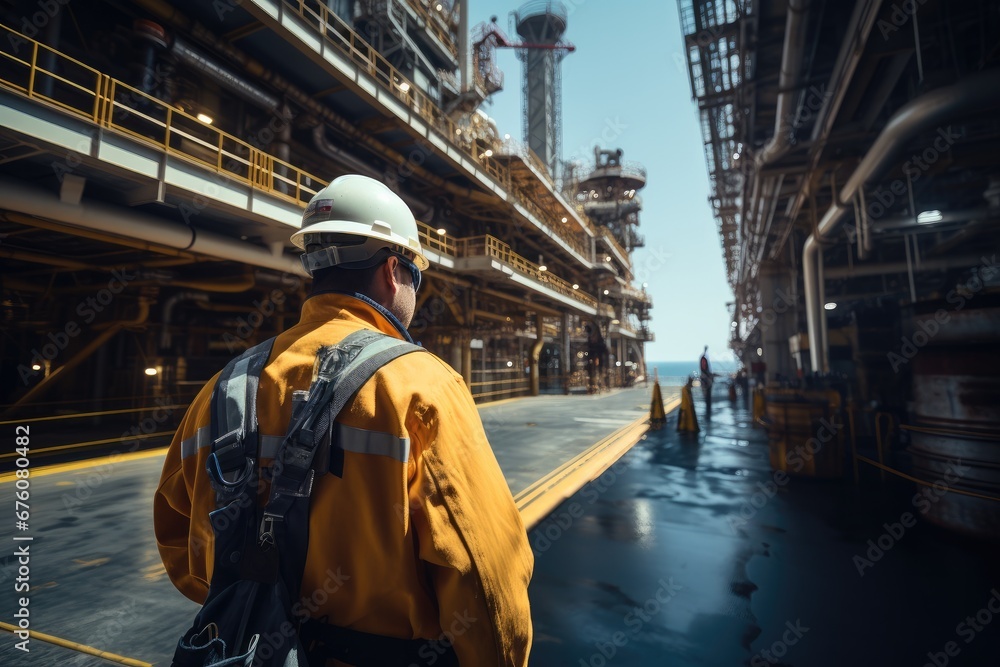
[360, 206]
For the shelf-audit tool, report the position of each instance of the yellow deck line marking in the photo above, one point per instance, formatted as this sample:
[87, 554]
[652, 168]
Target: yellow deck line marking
[76, 646]
[81, 415]
[538, 500]
[535, 502]
[78, 445]
[111, 459]
[502, 401]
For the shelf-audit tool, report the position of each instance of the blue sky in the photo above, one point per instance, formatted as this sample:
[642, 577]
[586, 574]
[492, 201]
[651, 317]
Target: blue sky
[628, 79]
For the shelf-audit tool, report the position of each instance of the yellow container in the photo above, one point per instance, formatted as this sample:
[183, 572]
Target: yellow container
[805, 432]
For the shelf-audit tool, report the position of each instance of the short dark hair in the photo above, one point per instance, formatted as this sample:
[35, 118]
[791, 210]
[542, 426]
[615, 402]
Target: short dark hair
[336, 278]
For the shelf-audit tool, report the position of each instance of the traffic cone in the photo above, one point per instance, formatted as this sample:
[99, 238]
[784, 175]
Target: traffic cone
[686, 419]
[657, 416]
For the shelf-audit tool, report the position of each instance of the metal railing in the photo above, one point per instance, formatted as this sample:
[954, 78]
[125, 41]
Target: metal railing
[519, 148]
[84, 91]
[490, 246]
[442, 243]
[610, 239]
[338, 34]
[498, 382]
[434, 25]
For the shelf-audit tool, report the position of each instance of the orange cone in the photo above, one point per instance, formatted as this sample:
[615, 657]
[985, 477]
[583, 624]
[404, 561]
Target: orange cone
[686, 418]
[657, 415]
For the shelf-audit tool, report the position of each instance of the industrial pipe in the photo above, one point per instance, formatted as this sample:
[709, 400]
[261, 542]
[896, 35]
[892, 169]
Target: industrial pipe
[168, 314]
[860, 28]
[92, 346]
[228, 80]
[791, 66]
[784, 120]
[884, 268]
[91, 215]
[975, 93]
[339, 155]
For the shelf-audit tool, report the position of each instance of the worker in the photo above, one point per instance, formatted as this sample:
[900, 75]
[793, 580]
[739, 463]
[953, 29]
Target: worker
[420, 537]
[707, 380]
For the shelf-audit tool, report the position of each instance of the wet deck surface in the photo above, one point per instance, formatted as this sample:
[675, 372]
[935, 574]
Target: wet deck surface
[677, 556]
[96, 575]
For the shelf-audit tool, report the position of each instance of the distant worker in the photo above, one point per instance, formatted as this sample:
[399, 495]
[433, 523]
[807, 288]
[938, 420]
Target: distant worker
[707, 380]
[411, 514]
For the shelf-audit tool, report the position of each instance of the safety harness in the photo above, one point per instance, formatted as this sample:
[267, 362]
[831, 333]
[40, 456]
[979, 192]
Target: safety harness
[249, 617]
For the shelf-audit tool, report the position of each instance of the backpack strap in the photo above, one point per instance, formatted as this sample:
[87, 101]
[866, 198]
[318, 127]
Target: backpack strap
[234, 428]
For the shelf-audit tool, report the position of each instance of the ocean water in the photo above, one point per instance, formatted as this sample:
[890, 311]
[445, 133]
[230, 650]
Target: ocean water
[675, 373]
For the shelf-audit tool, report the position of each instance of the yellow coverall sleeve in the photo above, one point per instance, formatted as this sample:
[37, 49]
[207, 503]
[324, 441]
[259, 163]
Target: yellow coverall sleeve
[470, 532]
[185, 547]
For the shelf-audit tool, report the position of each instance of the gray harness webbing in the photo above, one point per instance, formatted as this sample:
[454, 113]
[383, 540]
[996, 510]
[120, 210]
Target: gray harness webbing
[339, 372]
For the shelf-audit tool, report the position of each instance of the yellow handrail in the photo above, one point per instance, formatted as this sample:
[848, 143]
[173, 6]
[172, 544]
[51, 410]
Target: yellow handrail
[342, 36]
[446, 38]
[491, 246]
[115, 105]
[429, 238]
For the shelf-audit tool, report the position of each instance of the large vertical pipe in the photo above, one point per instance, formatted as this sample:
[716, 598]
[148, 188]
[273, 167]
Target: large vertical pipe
[566, 366]
[464, 65]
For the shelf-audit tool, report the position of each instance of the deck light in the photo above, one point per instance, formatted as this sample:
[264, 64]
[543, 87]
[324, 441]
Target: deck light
[151, 371]
[760, 352]
[575, 286]
[489, 152]
[441, 230]
[404, 87]
[830, 306]
[565, 219]
[36, 367]
[928, 217]
[615, 322]
[606, 292]
[204, 118]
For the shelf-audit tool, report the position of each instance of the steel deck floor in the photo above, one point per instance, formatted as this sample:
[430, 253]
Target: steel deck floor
[652, 564]
[96, 575]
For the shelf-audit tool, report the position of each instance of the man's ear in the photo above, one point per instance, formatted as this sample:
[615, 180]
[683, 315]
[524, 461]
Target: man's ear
[388, 274]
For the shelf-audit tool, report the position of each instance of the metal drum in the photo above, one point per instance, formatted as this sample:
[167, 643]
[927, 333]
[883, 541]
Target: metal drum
[955, 440]
[805, 432]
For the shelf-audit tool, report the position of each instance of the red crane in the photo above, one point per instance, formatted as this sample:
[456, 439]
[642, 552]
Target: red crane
[488, 37]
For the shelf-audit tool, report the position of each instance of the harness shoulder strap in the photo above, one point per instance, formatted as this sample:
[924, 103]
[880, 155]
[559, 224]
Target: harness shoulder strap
[341, 370]
[234, 428]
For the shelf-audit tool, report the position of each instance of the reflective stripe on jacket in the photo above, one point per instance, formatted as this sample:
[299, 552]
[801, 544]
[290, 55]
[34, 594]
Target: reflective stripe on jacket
[419, 539]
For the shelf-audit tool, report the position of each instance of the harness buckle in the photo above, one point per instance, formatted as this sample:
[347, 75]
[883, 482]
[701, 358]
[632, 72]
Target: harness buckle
[266, 532]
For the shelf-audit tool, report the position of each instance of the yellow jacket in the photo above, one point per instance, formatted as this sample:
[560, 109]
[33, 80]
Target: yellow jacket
[419, 539]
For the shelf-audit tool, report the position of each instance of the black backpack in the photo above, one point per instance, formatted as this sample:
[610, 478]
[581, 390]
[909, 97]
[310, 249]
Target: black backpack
[259, 551]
